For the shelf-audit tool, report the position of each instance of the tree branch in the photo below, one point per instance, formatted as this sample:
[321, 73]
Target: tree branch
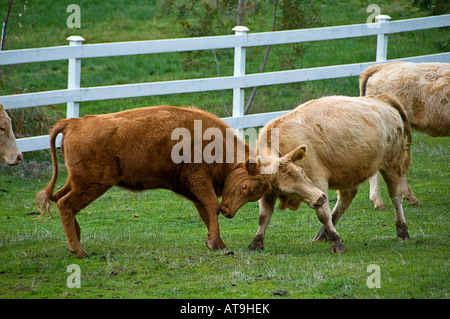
[240, 13]
[266, 56]
[5, 25]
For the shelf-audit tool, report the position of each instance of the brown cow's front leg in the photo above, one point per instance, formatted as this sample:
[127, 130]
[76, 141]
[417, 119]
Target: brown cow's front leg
[208, 210]
[214, 240]
[266, 208]
[204, 215]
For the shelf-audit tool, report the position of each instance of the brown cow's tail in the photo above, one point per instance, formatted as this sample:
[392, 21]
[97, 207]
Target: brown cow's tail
[44, 198]
[366, 74]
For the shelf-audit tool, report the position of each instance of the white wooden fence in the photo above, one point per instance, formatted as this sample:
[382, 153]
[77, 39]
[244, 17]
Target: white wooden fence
[75, 51]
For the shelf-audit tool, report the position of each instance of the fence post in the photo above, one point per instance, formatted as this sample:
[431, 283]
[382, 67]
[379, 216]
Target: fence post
[239, 69]
[74, 77]
[382, 39]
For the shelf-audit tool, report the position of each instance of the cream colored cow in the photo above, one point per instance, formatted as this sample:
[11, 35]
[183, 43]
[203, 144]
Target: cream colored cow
[335, 142]
[424, 91]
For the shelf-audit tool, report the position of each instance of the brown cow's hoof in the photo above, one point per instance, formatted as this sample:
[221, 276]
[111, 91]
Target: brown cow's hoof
[81, 254]
[211, 245]
[321, 235]
[214, 245]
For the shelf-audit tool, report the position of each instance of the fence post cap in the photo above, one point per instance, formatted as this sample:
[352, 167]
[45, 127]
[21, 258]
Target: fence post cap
[382, 17]
[240, 28]
[75, 38]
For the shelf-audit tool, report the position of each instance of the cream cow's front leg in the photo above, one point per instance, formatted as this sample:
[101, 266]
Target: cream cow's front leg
[266, 208]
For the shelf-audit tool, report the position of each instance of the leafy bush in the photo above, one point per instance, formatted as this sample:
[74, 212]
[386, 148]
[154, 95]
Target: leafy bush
[434, 7]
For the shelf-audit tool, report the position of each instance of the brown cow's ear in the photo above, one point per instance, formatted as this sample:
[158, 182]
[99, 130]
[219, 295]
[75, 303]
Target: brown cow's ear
[252, 168]
[297, 154]
[1, 106]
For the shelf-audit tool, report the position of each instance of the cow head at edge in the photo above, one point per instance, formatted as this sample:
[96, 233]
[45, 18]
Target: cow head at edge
[9, 151]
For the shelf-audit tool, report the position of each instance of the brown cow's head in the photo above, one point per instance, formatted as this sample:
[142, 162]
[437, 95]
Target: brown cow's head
[289, 181]
[9, 152]
[244, 184]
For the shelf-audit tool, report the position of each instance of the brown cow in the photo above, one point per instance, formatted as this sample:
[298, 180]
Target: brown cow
[140, 149]
[9, 152]
[340, 142]
[424, 91]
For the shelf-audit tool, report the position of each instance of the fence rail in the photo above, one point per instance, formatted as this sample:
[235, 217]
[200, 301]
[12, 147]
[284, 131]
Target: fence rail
[75, 51]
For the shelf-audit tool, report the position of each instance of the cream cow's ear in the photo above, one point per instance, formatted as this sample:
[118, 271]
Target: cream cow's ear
[297, 154]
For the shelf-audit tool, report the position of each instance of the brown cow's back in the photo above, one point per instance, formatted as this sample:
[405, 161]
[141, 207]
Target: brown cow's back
[134, 146]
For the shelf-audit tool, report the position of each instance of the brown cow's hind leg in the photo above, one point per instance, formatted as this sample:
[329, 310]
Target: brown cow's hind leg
[69, 205]
[62, 192]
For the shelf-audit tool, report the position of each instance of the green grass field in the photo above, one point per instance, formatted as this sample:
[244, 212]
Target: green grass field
[152, 244]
